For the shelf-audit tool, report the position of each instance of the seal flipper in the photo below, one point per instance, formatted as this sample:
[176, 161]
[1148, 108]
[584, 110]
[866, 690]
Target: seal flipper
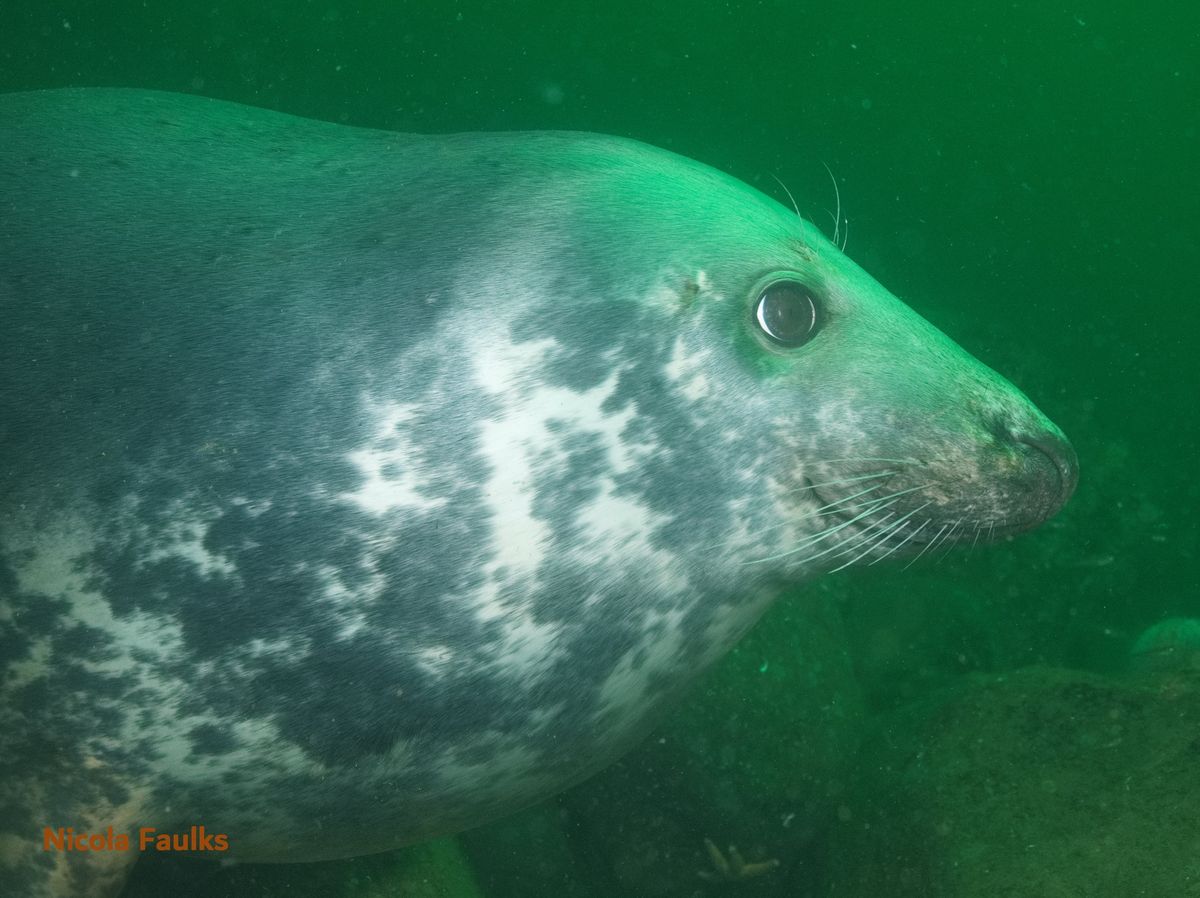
[33, 807]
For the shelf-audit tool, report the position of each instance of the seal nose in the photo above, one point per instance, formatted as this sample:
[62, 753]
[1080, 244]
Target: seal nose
[1060, 453]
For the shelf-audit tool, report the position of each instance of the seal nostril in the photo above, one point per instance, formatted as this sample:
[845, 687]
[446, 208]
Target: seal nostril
[1056, 448]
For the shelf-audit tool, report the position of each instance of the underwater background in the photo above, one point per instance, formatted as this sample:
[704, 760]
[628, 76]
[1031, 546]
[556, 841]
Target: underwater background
[1017, 721]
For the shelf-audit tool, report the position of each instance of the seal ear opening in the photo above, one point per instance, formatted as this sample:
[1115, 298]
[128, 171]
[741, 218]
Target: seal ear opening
[786, 312]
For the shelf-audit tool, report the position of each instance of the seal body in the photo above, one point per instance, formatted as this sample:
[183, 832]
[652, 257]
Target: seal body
[357, 487]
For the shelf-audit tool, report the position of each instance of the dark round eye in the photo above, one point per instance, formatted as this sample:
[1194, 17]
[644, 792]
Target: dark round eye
[787, 313]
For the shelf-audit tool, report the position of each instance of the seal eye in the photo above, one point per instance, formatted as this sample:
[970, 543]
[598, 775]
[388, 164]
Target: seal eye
[787, 313]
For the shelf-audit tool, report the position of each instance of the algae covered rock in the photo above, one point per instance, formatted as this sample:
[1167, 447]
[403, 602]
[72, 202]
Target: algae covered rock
[1042, 783]
[1170, 644]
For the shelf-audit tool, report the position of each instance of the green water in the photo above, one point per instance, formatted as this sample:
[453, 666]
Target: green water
[1024, 176]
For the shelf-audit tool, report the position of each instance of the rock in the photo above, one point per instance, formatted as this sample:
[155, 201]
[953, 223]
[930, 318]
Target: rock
[1042, 783]
[1169, 645]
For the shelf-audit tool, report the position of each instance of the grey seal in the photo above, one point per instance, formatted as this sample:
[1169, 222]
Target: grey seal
[357, 487]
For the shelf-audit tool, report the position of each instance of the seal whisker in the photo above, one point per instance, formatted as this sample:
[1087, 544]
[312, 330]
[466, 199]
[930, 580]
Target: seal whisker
[975, 541]
[903, 519]
[823, 510]
[806, 544]
[843, 549]
[949, 544]
[845, 480]
[875, 541]
[846, 503]
[927, 545]
[904, 541]
[791, 198]
[817, 537]
[937, 538]
[904, 492]
[915, 511]
[942, 536]
[868, 533]
[837, 217]
[826, 510]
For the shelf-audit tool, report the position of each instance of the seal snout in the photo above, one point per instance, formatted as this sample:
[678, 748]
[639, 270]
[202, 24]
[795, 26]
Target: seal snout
[1055, 448]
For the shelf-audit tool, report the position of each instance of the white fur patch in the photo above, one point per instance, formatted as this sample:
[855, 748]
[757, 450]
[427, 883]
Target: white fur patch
[391, 447]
